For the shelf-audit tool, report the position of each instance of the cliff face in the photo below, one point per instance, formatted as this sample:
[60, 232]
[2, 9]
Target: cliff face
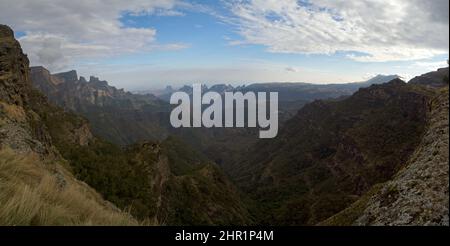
[77, 94]
[17, 128]
[44, 81]
[110, 111]
[13, 69]
[26, 113]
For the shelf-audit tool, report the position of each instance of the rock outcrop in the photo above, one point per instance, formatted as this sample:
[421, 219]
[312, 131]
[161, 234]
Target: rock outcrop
[17, 128]
[13, 69]
[419, 193]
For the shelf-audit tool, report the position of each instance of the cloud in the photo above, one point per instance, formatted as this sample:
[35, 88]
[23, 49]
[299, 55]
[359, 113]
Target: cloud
[366, 30]
[292, 69]
[59, 32]
[438, 64]
[169, 12]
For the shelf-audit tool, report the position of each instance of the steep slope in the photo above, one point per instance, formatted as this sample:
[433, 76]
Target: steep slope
[419, 193]
[190, 190]
[167, 183]
[332, 152]
[36, 189]
[34, 192]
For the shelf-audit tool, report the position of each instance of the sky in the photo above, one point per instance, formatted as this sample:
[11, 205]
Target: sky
[148, 44]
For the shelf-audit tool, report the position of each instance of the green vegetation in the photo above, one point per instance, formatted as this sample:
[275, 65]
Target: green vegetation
[182, 158]
[349, 215]
[204, 197]
[166, 182]
[108, 169]
[104, 166]
[333, 152]
[33, 194]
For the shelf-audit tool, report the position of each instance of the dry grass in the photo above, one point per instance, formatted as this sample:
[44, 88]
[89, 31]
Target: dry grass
[13, 112]
[31, 195]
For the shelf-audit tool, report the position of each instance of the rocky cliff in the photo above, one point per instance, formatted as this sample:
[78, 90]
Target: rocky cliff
[13, 69]
[26, 113]
[116, 115]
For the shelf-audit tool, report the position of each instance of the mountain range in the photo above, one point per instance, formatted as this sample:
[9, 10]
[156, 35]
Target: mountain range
[79, 152]
[124, 118]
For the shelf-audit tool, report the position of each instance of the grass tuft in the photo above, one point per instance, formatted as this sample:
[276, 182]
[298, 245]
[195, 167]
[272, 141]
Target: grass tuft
[30, 194]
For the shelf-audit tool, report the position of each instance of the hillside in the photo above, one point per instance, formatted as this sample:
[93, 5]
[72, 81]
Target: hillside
[333, 152]
[418, 194]
[437, 78]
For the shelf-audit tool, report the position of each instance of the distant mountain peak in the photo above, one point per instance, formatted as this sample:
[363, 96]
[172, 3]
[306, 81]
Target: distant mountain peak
[83, 79]
[70, 76]
[397, 81]
[381, 78]
[46, 76]
[97, 82]
[39, 69]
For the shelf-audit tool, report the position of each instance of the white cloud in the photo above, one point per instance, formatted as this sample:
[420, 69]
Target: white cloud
[169, 12]
[369, 30]
[58, 32]
[431, 65]
[292, 69]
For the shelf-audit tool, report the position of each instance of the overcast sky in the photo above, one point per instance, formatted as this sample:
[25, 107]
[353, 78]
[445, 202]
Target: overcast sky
[142, 44]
